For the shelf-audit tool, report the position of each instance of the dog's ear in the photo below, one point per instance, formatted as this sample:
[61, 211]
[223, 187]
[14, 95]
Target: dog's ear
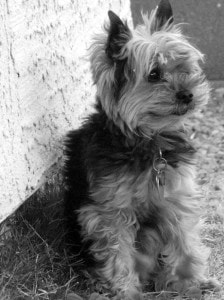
[162, 16]
[118, 35]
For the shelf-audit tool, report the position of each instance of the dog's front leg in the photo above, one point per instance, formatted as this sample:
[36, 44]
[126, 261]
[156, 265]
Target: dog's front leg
[111, 234]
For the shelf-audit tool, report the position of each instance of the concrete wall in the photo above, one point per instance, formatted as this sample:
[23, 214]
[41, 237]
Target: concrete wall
[205, 20]
[45, 85]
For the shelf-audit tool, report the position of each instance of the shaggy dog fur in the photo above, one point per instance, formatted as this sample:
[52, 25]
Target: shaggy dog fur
[131, 202]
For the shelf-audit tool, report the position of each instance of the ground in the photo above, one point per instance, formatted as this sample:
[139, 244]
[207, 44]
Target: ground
[34, 265]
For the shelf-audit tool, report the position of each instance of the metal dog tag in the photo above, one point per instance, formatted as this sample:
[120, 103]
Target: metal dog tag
[160, 177]
[159, 165]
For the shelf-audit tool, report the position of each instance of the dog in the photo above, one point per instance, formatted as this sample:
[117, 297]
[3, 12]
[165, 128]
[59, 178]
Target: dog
[132, 203]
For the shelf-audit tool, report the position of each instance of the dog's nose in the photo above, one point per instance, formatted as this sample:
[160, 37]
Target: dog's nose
[184, 96]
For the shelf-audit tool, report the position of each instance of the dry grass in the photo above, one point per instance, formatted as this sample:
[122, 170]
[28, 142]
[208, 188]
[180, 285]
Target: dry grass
[33, 261]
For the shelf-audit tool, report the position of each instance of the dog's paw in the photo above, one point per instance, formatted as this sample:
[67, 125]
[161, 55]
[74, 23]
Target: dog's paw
[134, 296]
[73, 296]
[193, 292]
[210, 284]
[129, 295]
[96, 296]
[196, 292]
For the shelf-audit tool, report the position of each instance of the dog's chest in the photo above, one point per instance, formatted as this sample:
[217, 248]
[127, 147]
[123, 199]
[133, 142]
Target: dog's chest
[148, 190]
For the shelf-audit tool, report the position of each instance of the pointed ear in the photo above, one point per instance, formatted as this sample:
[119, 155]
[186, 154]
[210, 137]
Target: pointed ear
[163, 15]
[118, 35]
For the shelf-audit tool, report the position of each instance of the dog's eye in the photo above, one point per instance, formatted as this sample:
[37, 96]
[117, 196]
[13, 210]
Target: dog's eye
[154, 75]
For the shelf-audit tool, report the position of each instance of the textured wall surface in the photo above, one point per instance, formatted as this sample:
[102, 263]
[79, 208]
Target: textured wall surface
[205, 26]
[45, 85]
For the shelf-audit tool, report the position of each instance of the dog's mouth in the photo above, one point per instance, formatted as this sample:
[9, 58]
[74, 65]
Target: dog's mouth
[182, 109]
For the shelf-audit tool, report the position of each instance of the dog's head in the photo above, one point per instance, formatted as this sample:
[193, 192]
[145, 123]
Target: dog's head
[148, 79]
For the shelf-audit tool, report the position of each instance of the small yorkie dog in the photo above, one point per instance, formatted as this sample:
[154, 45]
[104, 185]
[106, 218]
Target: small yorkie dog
[131, 200]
